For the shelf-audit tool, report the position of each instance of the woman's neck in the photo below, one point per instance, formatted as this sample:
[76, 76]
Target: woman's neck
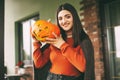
[69, 34]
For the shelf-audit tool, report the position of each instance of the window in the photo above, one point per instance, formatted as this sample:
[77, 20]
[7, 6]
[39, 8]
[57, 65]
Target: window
[27, 40]
[117, 40]
[23, 39]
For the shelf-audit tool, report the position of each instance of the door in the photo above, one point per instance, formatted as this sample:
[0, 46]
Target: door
[112, 28]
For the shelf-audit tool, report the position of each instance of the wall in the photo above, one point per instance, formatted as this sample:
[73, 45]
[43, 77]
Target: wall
[92, 26]
[18, 9]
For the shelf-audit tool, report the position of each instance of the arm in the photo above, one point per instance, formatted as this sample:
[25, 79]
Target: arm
[74, 55]
[40, 58]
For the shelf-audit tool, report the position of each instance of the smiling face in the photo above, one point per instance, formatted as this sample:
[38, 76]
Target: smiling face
[65, 20]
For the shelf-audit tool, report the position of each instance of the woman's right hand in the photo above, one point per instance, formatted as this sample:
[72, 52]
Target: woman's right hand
[33, 37]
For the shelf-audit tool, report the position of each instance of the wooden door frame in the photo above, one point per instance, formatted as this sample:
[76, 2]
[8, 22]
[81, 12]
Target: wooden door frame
[1, 39]
[102, 4]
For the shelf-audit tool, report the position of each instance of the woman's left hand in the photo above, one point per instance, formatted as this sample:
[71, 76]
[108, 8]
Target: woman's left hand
[57, 41]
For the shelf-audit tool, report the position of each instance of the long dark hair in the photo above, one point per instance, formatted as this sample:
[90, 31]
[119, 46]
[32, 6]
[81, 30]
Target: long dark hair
[77, 31]
[80, 38]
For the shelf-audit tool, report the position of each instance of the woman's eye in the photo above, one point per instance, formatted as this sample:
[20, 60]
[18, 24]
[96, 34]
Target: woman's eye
[68, 17]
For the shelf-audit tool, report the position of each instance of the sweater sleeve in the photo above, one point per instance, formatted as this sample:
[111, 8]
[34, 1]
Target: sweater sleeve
[74, 55]
[40, 58]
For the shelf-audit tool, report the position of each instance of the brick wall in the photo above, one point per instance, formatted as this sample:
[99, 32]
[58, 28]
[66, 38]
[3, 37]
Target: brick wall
[91, 20]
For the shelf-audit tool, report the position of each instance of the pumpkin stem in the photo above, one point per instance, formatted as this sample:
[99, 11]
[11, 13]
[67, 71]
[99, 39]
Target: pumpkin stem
[49, 20]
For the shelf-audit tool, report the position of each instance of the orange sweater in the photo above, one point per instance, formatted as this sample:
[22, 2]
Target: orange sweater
[66, 60]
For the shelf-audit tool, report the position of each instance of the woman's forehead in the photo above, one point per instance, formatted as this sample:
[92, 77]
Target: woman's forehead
[63, 13]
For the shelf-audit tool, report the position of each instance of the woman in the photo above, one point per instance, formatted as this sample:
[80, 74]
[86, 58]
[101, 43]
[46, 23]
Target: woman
[71, 55]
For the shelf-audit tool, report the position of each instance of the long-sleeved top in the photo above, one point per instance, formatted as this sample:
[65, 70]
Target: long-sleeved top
[66, 61]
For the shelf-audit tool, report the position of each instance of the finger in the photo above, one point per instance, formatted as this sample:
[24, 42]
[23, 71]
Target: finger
[49, 42]
[33, 37]
[50, 39]
[30, 30]
[54, 34]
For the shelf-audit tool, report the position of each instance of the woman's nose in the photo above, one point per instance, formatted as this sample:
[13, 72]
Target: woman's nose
[64, 20]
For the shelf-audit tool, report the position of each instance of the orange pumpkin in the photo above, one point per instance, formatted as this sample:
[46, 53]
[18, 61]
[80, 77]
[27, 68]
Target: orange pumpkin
[43, 29]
